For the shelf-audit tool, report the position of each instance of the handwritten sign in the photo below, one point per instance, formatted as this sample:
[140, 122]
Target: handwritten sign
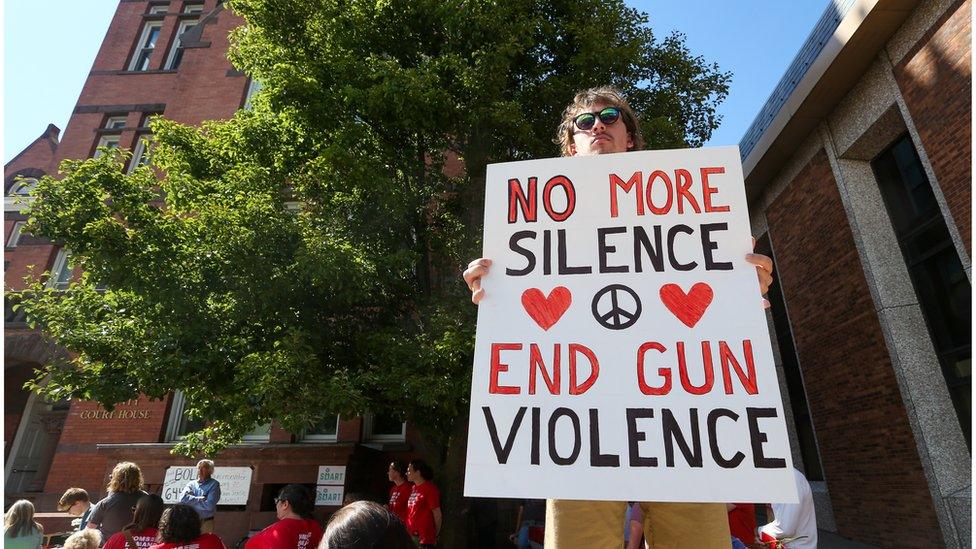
[334, 475]
[329, 495]
[622, 349]
[235, 483]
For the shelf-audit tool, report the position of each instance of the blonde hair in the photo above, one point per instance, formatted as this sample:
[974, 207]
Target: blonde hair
[606, 95]
[89, 538]
[126, 478]
[19, 520]
[208, 462]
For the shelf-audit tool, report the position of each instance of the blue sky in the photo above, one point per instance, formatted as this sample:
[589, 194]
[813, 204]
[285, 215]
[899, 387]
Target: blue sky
[49, 47]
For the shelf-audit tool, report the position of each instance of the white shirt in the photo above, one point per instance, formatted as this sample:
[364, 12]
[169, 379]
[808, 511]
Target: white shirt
[795, 519]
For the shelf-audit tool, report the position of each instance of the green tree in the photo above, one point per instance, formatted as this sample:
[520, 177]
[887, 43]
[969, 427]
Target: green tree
[213, 285]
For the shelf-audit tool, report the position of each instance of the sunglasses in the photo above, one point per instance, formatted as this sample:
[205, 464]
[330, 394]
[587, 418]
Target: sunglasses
[585, 121]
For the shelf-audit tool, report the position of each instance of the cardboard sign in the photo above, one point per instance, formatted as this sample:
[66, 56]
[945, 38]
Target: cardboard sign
[622, 350]
[235, 483]
[333, 475]
[329, 495]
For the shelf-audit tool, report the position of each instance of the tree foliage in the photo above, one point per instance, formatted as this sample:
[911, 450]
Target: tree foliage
[303, 258]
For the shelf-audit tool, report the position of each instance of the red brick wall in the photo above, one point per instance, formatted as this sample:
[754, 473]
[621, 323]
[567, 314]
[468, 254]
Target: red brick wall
[77, 462]
[39, 155]
[935, 79]
[877, 487]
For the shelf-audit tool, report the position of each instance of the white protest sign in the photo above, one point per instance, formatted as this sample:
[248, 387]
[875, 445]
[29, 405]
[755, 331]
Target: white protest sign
[332, 474]
[622, 349]
[235, 483]
[329, 495]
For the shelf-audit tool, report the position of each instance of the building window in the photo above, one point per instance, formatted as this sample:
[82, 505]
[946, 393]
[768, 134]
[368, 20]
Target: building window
[384, 428]
[142, 152]
[176, 52]
[15, 234]
[802, 420]
[192, 8]
[115, 122]
[110, 141]
[941, 285]
[261, 433]
[23, 186]
[252, 88]
[145, 47]
[158, 9]
[326, 431]
[179, 424]
[60, 271]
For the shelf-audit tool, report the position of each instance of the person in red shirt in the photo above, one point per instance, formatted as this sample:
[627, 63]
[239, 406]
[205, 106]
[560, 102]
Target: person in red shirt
[742, 522]
[179, 528]
[424, 506]
[295, 529]
[400, 491]
[142, 531]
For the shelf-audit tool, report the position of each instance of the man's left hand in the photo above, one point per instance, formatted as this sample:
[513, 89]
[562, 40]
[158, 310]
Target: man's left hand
[764, 270]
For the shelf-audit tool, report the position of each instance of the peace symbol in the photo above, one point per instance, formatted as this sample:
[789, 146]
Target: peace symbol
[618, 317]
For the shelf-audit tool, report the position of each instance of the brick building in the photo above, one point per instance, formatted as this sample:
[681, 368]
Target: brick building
[858, 175]
[158, 57]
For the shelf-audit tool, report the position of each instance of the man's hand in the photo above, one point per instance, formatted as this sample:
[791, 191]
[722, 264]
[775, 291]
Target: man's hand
[764, 270]
[472, 277]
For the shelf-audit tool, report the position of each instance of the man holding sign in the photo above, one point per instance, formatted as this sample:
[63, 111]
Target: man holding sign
[608, 270]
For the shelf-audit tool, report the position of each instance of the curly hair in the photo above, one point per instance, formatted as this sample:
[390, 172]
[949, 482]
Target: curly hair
[89, 538]
[126, 478]
[605, 95]
[179, 524]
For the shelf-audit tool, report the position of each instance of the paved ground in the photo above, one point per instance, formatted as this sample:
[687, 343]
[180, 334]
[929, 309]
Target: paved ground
[828, 540]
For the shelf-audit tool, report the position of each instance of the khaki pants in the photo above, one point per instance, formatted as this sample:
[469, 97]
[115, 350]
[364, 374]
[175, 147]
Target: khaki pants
[206, 526]
[574, 524]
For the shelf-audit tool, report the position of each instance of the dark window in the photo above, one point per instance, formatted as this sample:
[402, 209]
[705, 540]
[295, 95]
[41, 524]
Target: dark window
[802, 420]
[943, 290]
[147, 43]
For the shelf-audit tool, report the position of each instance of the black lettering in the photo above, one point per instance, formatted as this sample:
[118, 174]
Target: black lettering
[513, 244]
[534, 455]
[502, 452]
[713, 438]
[561, 252]
[672, 434]
[634, 437]
[672, 232]
[641, 241]
[757, 438]
[596, 458]
[606, 249]
[546, 252]
[708, 245]
[556, 458]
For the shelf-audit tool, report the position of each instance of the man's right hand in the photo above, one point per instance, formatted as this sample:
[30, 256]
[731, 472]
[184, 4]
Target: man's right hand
[472, 277]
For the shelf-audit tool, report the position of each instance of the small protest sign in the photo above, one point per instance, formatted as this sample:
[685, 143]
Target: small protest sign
[333, 475]
[235, 483]
[329, 495]
[622, 349]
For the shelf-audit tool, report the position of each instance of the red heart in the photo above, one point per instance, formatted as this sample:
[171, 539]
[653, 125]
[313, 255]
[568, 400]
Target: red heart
[690, 307]
[546, 311]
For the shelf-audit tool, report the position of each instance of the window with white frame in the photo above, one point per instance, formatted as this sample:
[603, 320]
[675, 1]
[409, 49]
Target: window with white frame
[325, 431]
[23, 186]
[142, 152]
[15, 234]
[145, 46]
[384, 428]
[261, 433]
[157, 9]
[110, 141]
[193, 8]
[115, 122]
[176, 52]
[179, 424]
[60, 271]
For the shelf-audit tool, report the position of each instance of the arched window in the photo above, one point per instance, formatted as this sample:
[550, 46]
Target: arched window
[23, 186]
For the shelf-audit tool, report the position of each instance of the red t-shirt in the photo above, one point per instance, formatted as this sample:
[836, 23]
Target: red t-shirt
[291, 533]
[742, 522]
[398, 500]
[205, 541]
[144, 540]
[424, 498]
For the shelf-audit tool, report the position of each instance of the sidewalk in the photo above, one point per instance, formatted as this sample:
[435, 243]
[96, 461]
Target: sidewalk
[830, 540]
